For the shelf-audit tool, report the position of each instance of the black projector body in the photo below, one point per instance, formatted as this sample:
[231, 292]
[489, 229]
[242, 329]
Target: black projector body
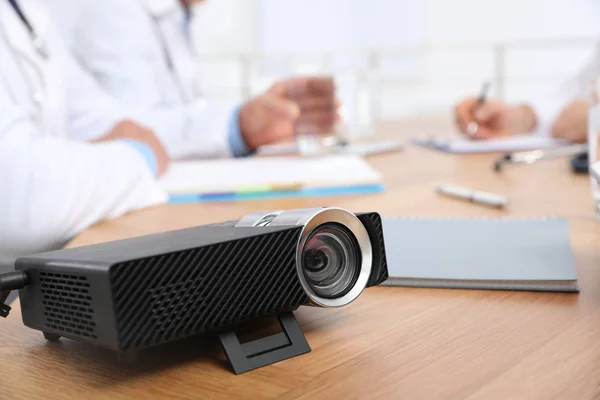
[146, 291]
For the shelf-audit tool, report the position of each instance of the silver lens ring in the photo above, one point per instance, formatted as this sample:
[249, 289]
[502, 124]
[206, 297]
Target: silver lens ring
[311, 219]
[321, 217]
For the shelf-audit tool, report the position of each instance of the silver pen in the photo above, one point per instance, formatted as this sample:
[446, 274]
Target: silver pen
[473, 126]
[529, 157]
[483, 198]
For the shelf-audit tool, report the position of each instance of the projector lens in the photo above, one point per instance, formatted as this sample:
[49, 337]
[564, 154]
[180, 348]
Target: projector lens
[334, 256]
[331, 260]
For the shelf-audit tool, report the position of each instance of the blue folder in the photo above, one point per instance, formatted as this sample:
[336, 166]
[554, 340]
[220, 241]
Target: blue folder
[275, 194]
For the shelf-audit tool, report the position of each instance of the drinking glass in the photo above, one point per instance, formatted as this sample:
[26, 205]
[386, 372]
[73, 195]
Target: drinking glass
[315, 128]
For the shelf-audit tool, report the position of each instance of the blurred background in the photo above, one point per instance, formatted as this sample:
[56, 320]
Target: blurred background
[396, 58]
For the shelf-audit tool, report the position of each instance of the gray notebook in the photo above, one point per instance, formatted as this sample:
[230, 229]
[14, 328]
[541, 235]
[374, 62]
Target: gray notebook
[502, 254]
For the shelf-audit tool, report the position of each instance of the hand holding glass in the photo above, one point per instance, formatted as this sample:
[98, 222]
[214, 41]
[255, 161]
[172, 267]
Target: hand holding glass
[315, 128]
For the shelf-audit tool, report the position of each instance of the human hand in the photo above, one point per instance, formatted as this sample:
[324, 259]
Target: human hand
[494, 118]
[287, 106]
[133, 131]
[572, 122]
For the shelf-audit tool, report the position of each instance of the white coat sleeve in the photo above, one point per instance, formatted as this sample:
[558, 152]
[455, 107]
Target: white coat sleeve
[91, 111]
[51, 188]
[119, 46]
[548, 107]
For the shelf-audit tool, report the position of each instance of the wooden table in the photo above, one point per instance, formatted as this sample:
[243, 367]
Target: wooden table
[392, 342]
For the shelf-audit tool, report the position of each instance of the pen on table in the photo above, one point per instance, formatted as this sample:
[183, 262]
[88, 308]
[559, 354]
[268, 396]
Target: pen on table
[484, 198]
[473, 126]
[529, 157]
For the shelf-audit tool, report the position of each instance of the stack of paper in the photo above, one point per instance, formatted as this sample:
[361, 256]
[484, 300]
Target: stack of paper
[506, 144]
[250, 178]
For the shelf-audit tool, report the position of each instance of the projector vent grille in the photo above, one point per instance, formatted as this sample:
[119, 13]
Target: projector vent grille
[67, 304]
[171, 296]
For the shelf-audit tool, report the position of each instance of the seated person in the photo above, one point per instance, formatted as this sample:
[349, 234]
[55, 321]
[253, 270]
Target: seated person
[563, 113]
[68, 156]
[142, 53]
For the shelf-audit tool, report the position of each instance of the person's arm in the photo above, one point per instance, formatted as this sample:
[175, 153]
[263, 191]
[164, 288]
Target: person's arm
[572, 122]
[569, 119]
[562, 105]
[560, 112]
[92, 114]
[53, 188]
[91, 111]
[117, 43]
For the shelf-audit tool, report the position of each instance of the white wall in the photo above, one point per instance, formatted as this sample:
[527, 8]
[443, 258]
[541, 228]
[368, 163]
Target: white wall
[530, 72]
[226, 25]
[341, 24]
[414, 81]
[305, 25]
[486, 20]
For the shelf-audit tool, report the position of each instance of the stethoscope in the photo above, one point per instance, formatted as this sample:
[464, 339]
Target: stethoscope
[38, 43]
[40, 47]
[197, 96]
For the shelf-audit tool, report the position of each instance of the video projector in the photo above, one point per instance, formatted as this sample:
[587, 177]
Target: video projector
[146, 291]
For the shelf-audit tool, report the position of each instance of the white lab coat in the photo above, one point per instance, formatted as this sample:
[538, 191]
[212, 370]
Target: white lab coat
[140, 52]
[52, 183]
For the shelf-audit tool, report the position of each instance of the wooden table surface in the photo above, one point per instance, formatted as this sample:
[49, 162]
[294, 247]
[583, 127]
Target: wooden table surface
[392, 342]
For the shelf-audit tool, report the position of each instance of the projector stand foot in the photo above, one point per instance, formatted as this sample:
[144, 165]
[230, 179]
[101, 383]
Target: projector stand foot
[51, 337]
[268, 350]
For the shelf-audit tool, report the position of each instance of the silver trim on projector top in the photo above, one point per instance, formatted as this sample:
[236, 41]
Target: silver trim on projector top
[259, 218]
[310, 219]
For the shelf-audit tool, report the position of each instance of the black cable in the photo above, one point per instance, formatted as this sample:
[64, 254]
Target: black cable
[8, 282]
[13, 280]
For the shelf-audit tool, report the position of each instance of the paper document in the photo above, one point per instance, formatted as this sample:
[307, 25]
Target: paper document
[364, 149]
[507, 144]
[267, 174]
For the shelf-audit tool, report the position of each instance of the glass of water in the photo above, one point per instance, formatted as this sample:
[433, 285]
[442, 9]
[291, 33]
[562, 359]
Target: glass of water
[594, 137]
[316, 127]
